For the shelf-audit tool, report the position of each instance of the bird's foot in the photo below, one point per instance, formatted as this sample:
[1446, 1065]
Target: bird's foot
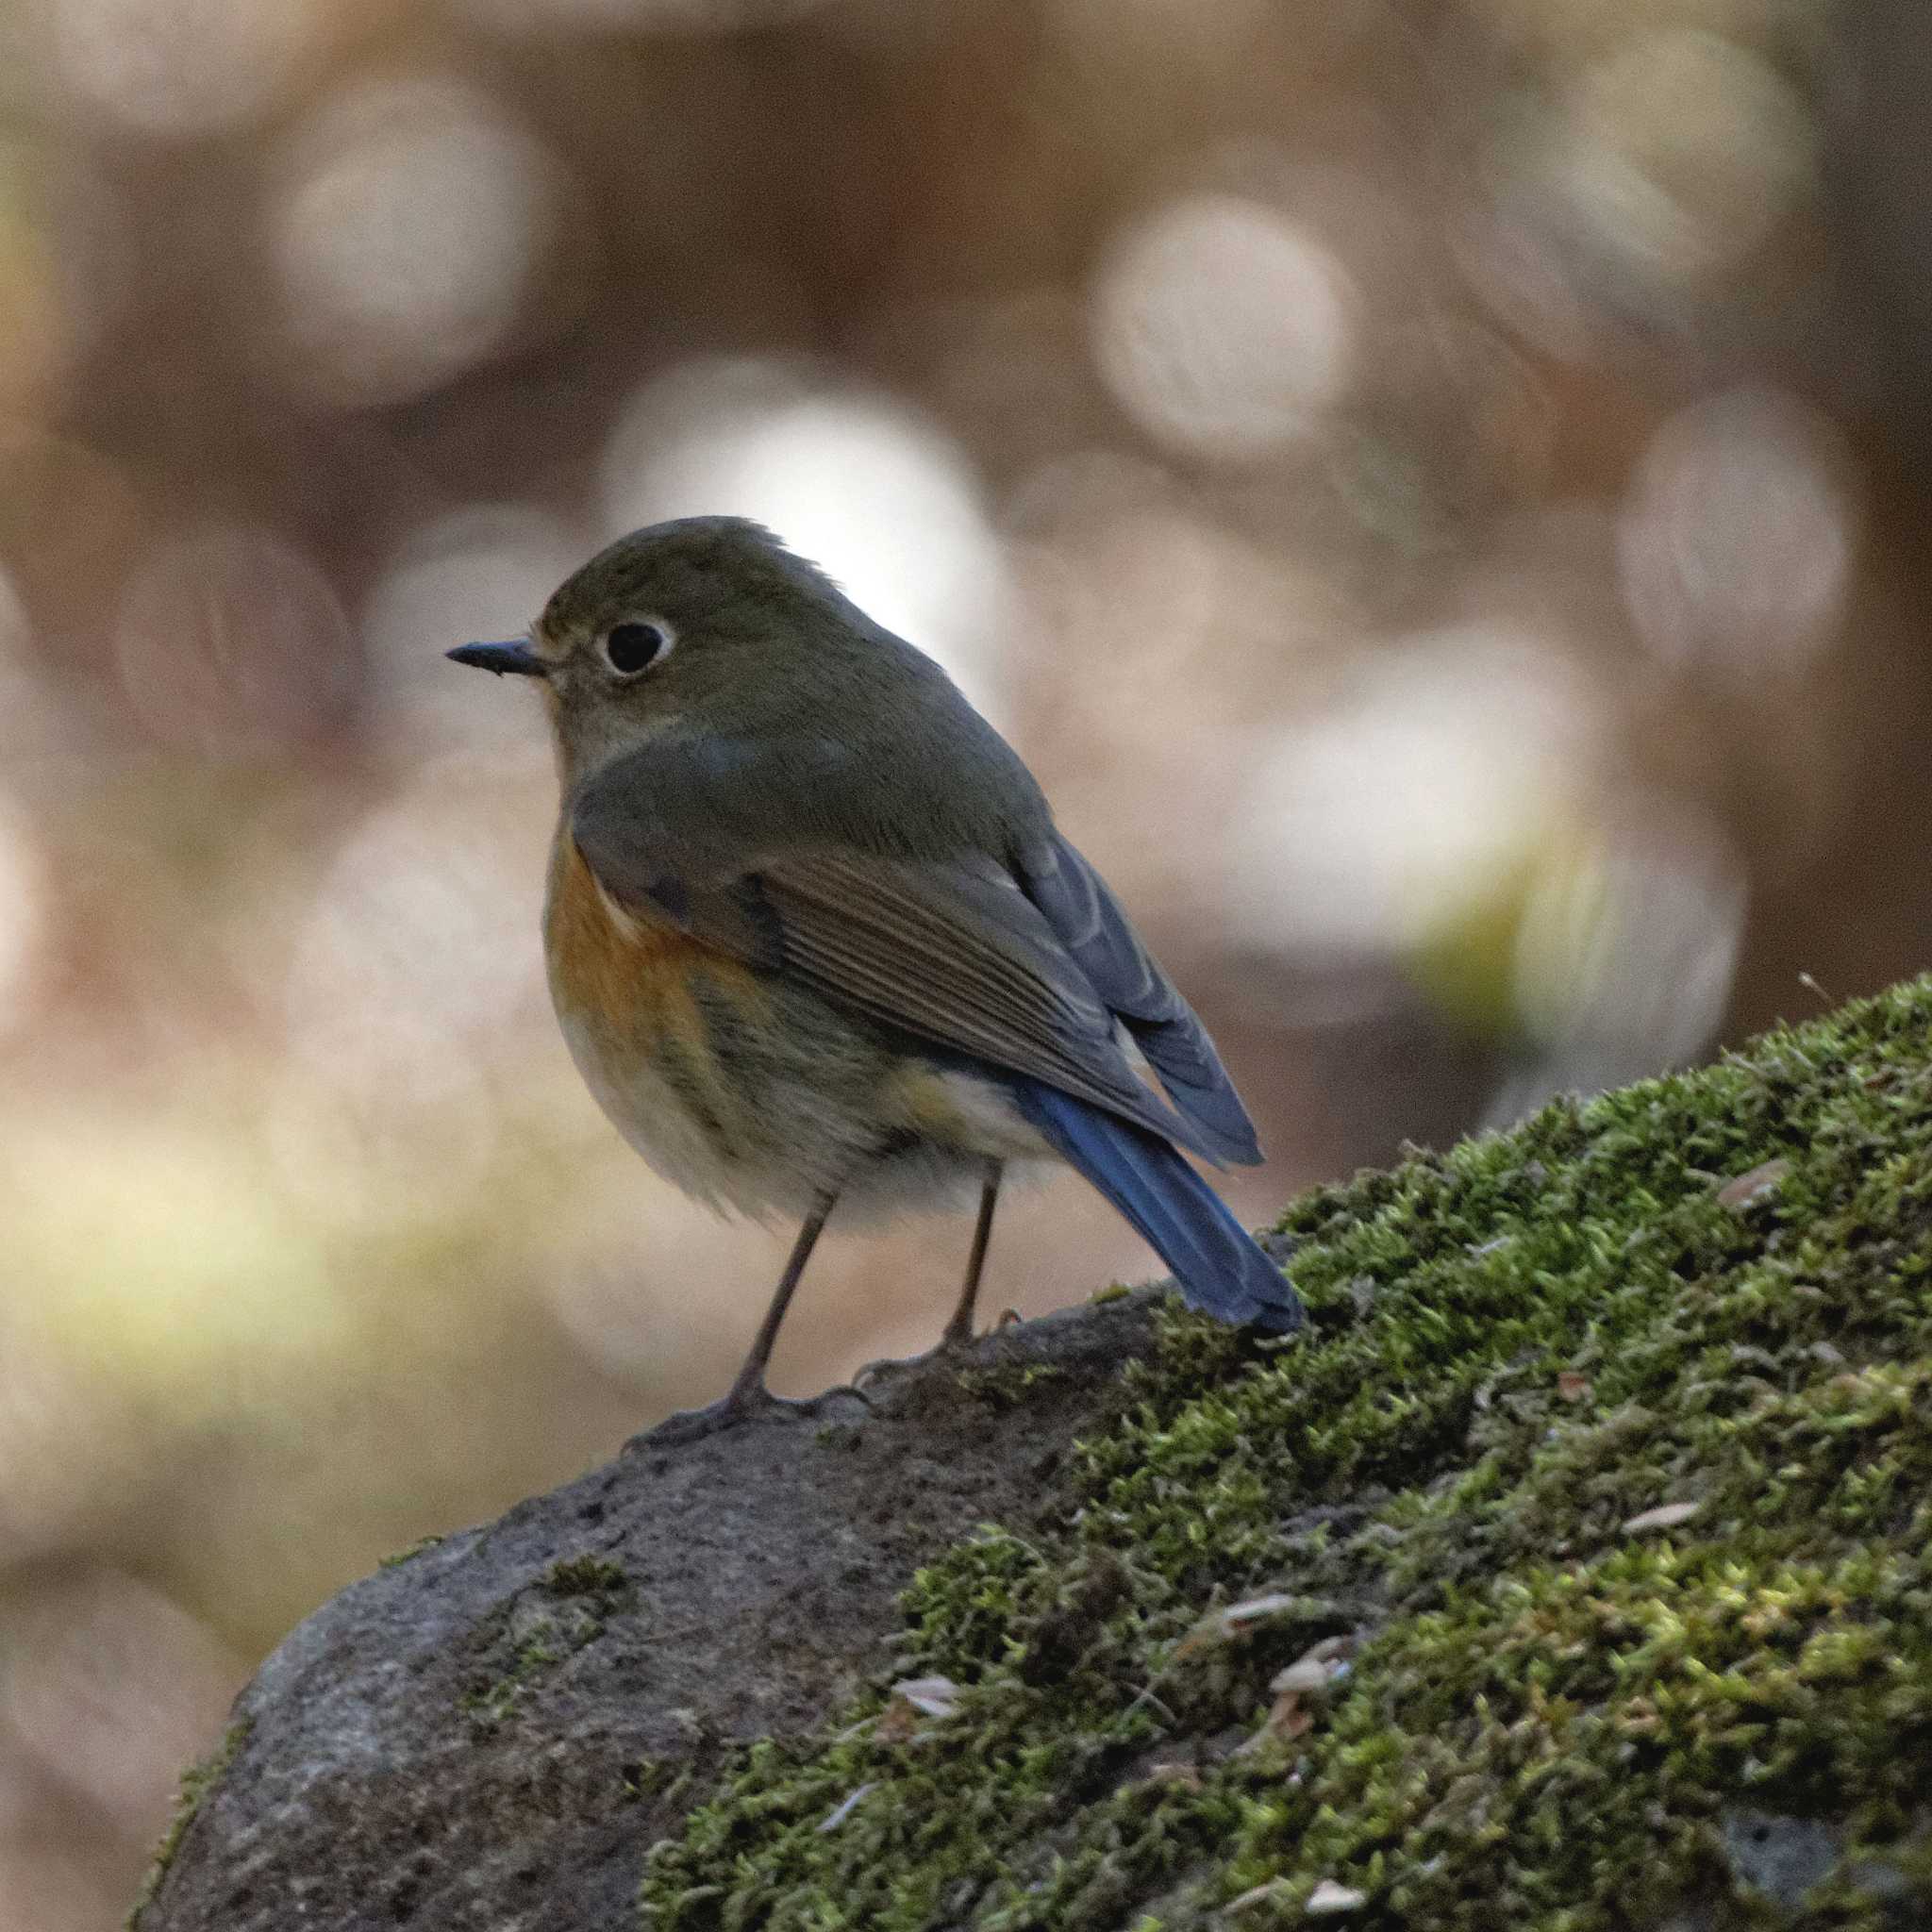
[753, 1403]
[957, 1339]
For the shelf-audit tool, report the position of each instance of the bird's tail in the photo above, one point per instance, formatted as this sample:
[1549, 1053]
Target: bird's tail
[1215, 1260]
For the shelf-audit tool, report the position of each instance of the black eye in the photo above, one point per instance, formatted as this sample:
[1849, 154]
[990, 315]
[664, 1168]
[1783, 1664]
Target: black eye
[629, 648]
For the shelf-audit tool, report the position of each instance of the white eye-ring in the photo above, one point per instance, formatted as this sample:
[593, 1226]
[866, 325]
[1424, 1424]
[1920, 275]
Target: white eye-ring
[636, 645]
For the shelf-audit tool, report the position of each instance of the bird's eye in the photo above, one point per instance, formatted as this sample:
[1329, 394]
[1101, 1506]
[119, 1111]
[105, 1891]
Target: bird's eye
[629, 648]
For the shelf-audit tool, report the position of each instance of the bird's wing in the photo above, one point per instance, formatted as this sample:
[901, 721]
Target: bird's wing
[951, 951]
[1086, 919]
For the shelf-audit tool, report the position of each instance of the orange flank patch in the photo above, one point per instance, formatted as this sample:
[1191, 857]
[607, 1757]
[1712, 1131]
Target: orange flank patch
[624, 973]
[657, 1022]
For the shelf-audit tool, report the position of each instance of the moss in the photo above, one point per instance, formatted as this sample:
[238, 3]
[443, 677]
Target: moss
[567, 1611]
[1559, 1701]
[596, 1578]
[1008, 1387]
[197, 1782]
[652, 1777]
[415, 1549]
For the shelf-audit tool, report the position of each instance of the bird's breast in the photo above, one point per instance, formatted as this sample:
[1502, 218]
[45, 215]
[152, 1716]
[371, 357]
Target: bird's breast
[638, 1001]
[746, 1088]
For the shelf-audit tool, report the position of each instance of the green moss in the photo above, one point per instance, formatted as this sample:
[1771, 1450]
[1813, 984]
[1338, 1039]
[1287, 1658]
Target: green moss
[415, 1549]
[567, 1611]
[1002, 1388]
[196, 1781]
[596, 1578]
[1558, 1706]
[652, 1777]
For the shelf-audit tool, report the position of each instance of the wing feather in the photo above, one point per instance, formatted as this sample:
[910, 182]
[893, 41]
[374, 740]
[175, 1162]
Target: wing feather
[1033, 974]
[1086, 919]
[972, 966]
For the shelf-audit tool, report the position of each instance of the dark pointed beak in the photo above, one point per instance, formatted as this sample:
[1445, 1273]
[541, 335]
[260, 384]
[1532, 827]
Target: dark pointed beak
[513, 659]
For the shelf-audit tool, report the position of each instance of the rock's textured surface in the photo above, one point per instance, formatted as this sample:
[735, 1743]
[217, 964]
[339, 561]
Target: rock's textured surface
[490, 1732]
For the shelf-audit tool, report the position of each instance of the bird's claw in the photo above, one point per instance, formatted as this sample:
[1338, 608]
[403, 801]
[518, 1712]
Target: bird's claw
[957, 1339]
[755, 1404]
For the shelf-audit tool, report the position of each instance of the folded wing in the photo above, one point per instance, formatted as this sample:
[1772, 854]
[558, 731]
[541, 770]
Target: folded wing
[1086, 919]
[1029, 970]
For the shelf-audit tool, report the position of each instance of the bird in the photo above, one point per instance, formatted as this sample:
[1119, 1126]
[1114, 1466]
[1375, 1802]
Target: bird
[813, 938]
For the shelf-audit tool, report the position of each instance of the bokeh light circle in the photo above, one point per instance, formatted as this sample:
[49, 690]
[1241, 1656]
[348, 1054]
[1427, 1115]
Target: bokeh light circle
[1440, 772]
[113, 1685]
[1223, 327]
[473, 574]
[422, 940]
[1680, 153]
[862, 484]
[1629, 937]
[1736, 545]
[26, 910]
[183, 67]
[414, 220]
[229, 641]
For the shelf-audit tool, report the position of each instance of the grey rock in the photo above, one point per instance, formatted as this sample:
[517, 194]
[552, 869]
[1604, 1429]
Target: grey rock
[492, 1732]
[1781, 1859]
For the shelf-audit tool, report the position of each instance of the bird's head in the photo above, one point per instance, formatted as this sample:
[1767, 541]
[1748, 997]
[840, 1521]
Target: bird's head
[705, 625]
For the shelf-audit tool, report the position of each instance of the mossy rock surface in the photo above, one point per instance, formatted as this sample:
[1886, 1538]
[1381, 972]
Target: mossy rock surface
[1609, 1460]
[1589, 1522]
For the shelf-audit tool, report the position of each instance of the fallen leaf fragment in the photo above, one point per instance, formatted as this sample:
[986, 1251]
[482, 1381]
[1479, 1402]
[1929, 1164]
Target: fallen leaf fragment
[912, 1699]
[846, 1808]
[1257, 1895]
[1234, 1621]
[1328, 1897]
[1308, 1676]
[1746, 1188]
[1317, 1666]
[933, 1696]
[1665, 1516]
[1255, 1609]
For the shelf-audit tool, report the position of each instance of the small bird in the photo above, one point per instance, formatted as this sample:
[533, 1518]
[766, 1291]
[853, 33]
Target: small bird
[813, 938]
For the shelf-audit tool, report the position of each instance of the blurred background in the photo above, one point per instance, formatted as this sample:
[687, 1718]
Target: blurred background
[1433, 487]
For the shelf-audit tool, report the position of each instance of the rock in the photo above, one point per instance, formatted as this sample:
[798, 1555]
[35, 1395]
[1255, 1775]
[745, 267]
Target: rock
[1001, 1654]
[490, 1731]
[1781, 1859]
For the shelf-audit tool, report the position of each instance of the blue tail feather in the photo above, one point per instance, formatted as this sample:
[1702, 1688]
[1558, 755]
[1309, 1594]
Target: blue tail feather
[1215, 1260]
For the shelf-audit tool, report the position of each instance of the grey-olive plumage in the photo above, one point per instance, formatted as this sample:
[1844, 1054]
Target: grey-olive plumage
[773, 798]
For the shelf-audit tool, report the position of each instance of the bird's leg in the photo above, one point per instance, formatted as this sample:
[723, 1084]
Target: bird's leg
[959, 1329]
[750, 1384]
[748, 1397]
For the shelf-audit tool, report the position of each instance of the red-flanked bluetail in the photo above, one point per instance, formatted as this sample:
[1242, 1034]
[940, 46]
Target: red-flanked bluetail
[813, 936]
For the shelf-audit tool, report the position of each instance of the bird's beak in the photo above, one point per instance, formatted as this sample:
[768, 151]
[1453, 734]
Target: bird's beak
[516, 659]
